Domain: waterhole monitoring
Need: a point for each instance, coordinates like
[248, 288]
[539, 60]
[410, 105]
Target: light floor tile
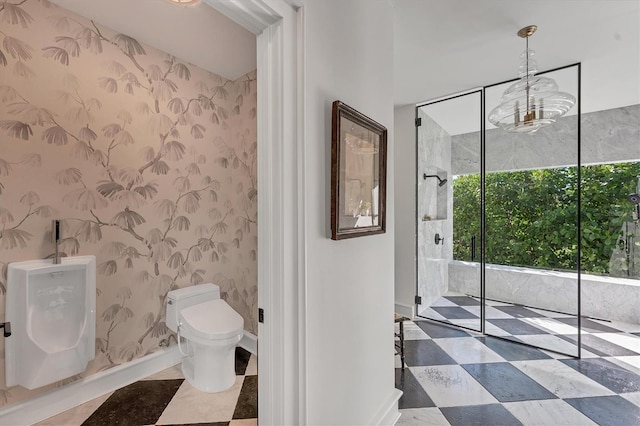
[497, 303]
[628, 341]
[489, 311]
[551, 325]
[473, 324]
[468, 351]
[493, 330]
[252, 366]
[623, 326]
[422, 416]
[560, 379]
[189, 405]
[451, 386]
[552, 314]
[631, 363]
[413, 332]
[431, 314]
[550, 342]
[442, 302]
[244, 422]
[76, 415]
[170, 373]
[634, 397]
[549, 412]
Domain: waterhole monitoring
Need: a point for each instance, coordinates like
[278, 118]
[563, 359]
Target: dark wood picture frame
[358, 174]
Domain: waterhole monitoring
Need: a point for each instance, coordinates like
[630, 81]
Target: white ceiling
[447, 46]
[198, 34]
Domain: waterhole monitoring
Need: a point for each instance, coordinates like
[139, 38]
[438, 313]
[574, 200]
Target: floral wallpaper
[148, 161]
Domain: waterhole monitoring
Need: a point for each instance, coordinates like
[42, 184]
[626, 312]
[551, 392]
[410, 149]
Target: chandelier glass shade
[533, 101]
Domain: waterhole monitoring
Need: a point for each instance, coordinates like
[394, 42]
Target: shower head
[441, 182]
[634, 198]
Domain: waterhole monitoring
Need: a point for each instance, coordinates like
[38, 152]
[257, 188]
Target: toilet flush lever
[7, 328]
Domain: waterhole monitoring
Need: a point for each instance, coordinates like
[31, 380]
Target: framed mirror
[358, 173]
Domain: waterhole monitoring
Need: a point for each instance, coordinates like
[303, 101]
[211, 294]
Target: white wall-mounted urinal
[52, 310]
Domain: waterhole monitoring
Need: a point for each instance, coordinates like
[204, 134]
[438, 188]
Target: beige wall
[149, 162]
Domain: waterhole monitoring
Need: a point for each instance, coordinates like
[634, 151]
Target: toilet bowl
[208, 331]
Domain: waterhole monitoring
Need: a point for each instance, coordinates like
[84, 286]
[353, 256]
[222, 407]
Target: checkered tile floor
[167, 399]
[456, 377]
[546, 329]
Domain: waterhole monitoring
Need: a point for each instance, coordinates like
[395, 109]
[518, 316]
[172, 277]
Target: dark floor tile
[453, 312]
[512, 351]
[519, 312]
[606, 373]
[140, 403]
[242, 360]
[607, 410]
[481, 415]
[439, 331]
[413, 394]
[573, 338]
[516, 327]
[247, 405]
[588, 325]
[425, 352]
[599, 346]
[463, 300]
[506, 382]
[199, 424]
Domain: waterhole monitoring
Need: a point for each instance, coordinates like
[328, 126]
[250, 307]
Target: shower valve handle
[7, 328]
[438, 239]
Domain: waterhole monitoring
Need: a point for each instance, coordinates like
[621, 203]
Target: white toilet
[212, 329]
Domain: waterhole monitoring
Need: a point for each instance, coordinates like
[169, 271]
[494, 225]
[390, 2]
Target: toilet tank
[188, 296]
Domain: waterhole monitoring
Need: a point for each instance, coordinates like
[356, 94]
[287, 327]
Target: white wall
[350, 359]
[405, 208]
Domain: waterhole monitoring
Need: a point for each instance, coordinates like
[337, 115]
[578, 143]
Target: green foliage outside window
[531, 215]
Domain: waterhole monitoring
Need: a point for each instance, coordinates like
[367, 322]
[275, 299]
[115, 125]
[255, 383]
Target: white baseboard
[406, 310]
[388, 414]
[249, 342]
[57, 400]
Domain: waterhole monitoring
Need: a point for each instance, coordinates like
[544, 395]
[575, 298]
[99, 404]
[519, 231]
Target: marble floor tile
[453, 312]
[519, 312]
[589, 325]
[422, 416]
[442, 302]
[468, 351]
[562, 380]
[76, 415]
[507, 383]
[607, 410]
[621, 326]
[252, 367]
[463, 300]
[413, 396]
[451, 385]
[242, 360]
[140, 403]
[244, 422]
[425, 352]
[471, 324]
[551, 325]
[497, 303]
[511, 352]
[490, 312]
[633, 397]
[627, 341]
[412, 331]
[550, 342]
[631, 363]
[492, 414]
[430, 314]
[606, 373]
[596, 344]
[549, 412]
[515, 326]
[189, 405]
[438, 331]
[553, 314]
[247, 406]
[170, 373]
[493, 330]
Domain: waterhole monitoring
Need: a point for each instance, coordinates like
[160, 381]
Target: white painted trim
[253, 15]
[60, 399]
[388, 414]
[249, 342]
[406, 310]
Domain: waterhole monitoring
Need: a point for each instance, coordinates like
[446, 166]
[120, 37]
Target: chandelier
[533, 101]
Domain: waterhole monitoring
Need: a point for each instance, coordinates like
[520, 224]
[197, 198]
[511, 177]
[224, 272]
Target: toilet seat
[211, 320]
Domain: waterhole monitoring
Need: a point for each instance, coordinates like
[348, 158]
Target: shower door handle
[473, 248]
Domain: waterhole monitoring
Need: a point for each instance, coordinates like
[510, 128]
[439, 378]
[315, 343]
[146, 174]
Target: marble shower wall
[436, 206]
[607, 137]
[150, 163]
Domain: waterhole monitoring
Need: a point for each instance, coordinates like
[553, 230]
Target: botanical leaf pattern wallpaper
[149, 162]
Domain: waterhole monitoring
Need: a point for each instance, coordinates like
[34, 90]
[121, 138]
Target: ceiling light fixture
[533, 101]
